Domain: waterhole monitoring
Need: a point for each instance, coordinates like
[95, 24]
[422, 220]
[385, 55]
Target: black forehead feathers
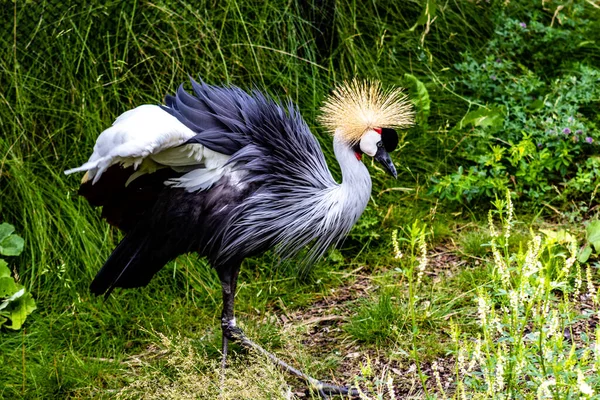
[389, 137]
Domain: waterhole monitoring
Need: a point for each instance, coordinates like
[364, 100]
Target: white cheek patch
[368, 143]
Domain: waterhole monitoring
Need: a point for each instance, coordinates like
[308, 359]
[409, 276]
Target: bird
[231, 173]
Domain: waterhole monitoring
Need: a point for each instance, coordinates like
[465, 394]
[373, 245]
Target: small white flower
[513, 299]
[493, 232]
[461, 361]
[422, 259]
[483, 310]
[477, 356]
[553, 325]
[584, 387]
[397, 253]
[436, 375]
[597, 350]
[578, 281]
[571, 260]
[500, 361]
[532, 265]
[543, 391]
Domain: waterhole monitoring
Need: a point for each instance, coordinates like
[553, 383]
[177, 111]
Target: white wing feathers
[149, 138]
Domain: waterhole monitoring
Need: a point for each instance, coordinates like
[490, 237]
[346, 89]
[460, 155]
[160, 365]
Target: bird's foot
[325, 389]
[234, 333]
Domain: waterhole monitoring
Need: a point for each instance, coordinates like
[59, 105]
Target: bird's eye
[389, 137]
[379, 144]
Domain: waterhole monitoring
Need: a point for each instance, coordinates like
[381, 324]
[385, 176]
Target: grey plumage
[272, 145]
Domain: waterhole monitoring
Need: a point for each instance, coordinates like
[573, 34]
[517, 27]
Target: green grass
[68, 75]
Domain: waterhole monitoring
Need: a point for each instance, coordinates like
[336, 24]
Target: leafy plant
[535, 336]
[15, 302]
[593, 242]
[419, 97]
[533, 131]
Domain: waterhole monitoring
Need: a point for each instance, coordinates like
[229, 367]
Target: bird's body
[229, 175]
[266, 185]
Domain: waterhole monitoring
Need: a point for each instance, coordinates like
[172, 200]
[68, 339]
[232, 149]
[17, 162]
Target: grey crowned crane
[230, 174]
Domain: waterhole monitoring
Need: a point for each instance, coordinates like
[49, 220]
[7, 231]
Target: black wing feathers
[123, 206]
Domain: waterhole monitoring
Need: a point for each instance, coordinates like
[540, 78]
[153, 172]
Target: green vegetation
[455, 305]
[15, 302]
[537, 321]
[535, 126]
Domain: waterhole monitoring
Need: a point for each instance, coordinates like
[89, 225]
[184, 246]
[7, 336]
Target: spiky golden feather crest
[357, 106]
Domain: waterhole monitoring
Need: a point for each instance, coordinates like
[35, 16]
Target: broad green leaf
[419, 96]
[20, 309]
[550, 234]
[12, 299]
[2, 320]
[11, 245]
[5, 230]
[7, 287]
[560, 236]
[491, 117]
[593, 234]
[4, 270]
[584, 254]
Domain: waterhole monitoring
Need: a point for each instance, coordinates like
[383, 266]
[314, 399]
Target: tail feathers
[132, 264]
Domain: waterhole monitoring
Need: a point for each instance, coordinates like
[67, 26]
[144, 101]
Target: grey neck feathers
[330, 213]
[321, 215]
[338, 207]
[355, 189]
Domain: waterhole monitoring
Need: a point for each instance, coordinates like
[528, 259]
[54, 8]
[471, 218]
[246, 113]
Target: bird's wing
[268, 140]
[149, 138]
[264, 148]
[209, 133]
[217, 115]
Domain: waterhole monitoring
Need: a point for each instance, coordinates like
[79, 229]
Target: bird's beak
[384, 158]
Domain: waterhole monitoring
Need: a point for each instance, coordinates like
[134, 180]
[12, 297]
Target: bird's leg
[232, 332]
[228, 284]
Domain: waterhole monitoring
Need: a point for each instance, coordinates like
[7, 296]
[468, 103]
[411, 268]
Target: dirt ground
[324, 319]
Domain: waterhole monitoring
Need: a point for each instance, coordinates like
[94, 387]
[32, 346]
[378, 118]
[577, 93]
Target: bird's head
[365, 117]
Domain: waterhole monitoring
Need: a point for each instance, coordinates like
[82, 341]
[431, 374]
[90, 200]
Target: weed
[172, 369]
[522, 349]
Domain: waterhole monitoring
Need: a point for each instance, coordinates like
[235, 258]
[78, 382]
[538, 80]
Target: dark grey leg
[235, 334]
[228, 284]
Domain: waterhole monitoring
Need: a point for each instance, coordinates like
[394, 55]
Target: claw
[341, 390]
[325, 390]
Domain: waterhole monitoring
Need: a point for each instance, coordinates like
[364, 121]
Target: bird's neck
[356, 181]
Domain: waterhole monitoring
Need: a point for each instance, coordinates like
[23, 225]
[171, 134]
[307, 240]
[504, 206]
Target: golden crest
[357, 106]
